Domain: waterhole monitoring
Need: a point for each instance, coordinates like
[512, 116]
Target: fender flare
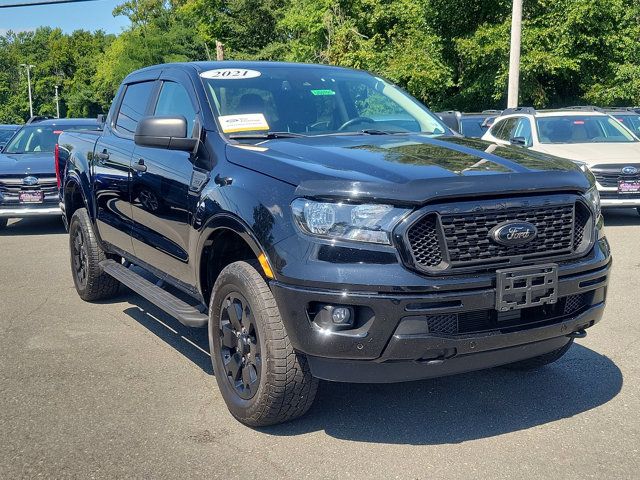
[227, 221]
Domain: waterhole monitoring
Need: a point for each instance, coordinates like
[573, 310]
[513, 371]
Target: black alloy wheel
[240, 345]
[80, 257]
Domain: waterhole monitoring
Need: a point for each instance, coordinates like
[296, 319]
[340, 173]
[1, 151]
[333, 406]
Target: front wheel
[542, 360]
[262, 379]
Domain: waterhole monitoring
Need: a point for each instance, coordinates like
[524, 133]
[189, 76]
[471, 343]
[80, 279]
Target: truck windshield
[38, 138]
[313, 101]
[582, 129]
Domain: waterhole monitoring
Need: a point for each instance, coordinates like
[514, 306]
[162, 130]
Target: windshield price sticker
[243, 123]
[230, 74]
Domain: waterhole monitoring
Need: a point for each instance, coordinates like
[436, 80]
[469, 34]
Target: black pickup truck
[323, 224]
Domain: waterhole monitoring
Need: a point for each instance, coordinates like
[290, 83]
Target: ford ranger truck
[323, 224]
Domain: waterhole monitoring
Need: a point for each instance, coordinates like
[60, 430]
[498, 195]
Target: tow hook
[578, 334]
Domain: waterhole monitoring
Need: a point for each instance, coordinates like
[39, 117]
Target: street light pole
[57, 103]
[514, 56]
[29, 67]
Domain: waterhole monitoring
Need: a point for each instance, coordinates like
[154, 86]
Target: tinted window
[523, 130]
[502, 130]
[632, 122]
[40, 138]
[174, 100]
[5, 135]
[134, 106]
[582, 129]
[473, 127]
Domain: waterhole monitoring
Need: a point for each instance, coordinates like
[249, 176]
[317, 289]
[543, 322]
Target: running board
[183, 312]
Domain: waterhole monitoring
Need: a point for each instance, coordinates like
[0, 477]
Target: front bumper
[380, 350]
[32, 211]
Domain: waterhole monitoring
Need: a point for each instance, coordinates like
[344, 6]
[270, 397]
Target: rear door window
[134, 106]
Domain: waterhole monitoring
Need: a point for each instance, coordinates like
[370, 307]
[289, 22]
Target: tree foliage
[448, 53]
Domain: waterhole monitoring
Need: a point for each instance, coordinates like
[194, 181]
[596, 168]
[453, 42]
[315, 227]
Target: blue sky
[68, 16]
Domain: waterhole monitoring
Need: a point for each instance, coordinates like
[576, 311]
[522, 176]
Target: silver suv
[585, 135]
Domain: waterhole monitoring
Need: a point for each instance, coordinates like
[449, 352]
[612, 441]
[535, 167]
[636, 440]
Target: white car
[586, 135]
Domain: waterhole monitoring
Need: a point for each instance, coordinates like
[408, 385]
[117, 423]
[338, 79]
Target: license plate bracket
[628, 186]
[34, 196]
[524, 287]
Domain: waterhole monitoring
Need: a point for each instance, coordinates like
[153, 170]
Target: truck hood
[595, 153]
[13, 164]
[406, 168]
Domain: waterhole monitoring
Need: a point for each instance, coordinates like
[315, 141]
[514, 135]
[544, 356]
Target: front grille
[467, 236]
[423, 238]
[455, 238]
[11, 187]
[611, 179]
[443, 324]
[491, 321]
[609, 175]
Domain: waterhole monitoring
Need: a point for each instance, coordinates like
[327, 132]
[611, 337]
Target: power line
[32, 3]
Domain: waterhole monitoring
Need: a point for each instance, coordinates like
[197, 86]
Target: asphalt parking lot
[119, 389]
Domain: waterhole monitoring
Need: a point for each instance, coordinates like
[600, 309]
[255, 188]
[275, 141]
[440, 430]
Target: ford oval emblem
[513, 233]
[30, 181]
[629, 170]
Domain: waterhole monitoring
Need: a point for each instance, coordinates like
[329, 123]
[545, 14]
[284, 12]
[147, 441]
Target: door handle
[102, 156]
[140, 166]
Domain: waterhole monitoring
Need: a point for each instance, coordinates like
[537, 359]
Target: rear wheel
[90, 281]
[261, 378]
[542, 360]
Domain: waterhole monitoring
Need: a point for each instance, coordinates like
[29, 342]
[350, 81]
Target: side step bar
[183, 312]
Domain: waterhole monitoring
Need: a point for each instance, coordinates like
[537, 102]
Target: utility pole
[57, 103]
[29, 67]
[219, 51]
[514, 56]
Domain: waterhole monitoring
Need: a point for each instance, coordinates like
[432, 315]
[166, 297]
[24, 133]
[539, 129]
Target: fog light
[334, 317]
[341, 315]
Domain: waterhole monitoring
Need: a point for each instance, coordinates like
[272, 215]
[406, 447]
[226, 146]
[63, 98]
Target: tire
[262, 379]
[91, 282]
[542, 360]
[3, 222]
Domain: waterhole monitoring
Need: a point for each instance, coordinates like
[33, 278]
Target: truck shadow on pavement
[33, 226]
[437, 411]
[621, 217]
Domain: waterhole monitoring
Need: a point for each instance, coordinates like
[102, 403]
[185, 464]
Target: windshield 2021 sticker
[230, 74]
[243, 122]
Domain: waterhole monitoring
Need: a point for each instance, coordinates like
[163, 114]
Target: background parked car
[628, 116]
[586, 135]
[28, 185]
[472, 125]
[6, 132]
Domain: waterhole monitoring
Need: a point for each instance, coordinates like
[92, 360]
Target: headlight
[593, 198]
[370, 223]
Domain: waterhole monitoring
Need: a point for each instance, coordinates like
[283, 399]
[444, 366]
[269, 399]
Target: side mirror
[164, 132]
[520, 141]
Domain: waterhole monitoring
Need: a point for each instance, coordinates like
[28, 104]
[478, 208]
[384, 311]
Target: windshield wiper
[266, 136]
[374, 131]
